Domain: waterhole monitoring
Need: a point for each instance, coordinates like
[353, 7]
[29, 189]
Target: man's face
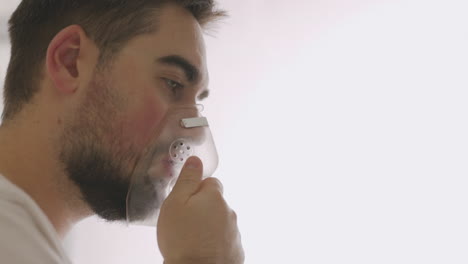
[125, 104]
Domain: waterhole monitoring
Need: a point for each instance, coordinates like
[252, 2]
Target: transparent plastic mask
[183, 133]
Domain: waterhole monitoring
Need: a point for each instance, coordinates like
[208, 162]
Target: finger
[189, 179]
[212, 184]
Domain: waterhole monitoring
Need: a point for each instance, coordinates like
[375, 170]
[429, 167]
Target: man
[87, 83]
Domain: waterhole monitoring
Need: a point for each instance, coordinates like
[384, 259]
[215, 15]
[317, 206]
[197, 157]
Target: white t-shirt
[26, 234]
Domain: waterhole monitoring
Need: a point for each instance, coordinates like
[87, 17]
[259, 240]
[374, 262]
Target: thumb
[189, 179]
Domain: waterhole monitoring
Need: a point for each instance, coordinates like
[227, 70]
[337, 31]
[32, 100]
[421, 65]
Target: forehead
[178, 33]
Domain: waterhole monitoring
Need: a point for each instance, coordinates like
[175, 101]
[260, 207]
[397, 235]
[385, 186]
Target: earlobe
[62, 59]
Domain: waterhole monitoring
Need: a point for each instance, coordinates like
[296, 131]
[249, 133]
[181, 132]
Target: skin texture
[73, 147]
[196, 225]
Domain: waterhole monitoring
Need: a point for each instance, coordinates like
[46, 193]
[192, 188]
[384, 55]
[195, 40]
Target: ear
[62, 59]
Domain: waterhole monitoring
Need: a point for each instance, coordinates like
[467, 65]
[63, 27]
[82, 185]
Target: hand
[195, 223]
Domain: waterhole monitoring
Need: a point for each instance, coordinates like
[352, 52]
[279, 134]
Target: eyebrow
[191, 72]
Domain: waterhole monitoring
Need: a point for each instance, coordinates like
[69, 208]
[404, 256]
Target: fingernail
[193, 163]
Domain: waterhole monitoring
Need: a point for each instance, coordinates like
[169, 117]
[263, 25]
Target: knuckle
[213, 180]
[214, 183]
[216, 195]
[234, 215]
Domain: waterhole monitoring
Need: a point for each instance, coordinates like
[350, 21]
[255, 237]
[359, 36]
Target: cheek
[140, 125]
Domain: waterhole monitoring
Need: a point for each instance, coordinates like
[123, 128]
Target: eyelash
[173, 85]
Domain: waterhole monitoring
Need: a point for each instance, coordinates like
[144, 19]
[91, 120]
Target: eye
[173, 85]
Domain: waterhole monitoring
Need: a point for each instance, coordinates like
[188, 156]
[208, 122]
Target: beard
[94, 157]
[101, 181]
[151, 183]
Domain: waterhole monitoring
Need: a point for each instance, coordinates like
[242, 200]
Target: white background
[342, 132]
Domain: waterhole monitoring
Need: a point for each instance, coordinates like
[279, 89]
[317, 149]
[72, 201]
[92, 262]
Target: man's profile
[87, 83]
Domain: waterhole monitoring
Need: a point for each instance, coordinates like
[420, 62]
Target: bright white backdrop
[342, 131]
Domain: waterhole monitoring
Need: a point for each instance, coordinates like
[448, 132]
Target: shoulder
[22, 241]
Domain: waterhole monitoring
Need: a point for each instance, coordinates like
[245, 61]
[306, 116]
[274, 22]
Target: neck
[28, 158]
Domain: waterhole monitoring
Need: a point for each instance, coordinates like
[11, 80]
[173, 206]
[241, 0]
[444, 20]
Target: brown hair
[109, 23]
